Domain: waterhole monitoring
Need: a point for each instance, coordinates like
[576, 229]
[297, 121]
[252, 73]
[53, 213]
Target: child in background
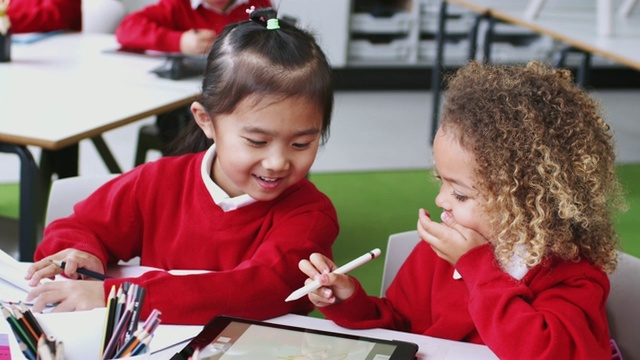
[243, 209]
[185, 26]
[520, 260]
[45, 15]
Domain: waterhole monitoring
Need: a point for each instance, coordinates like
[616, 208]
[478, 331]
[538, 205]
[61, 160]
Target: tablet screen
[233, 338]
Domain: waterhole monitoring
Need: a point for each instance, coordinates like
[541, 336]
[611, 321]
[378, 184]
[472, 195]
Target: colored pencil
[59, 350]
[118, 332]
[120, 304]
[128, 347]
[44, 349]
[142, 347]
[26, 351]
[31, 319]
[17, 329]
[109, 319]
[138, 293]
[28, 330]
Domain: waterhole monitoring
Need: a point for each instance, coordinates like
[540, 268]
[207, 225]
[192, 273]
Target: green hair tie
[272, 24]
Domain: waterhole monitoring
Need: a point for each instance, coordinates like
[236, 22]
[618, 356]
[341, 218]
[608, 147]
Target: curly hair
[545, 161]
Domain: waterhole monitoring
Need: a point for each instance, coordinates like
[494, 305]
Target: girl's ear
[203, 120]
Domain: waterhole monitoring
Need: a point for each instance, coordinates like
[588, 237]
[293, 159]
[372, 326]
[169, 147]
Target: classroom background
[376, 166]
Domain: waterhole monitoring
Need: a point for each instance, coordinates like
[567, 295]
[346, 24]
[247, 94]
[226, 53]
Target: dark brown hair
[249, 59]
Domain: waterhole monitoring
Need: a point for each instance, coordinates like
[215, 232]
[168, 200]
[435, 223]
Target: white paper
[12, 271]
[80, 331]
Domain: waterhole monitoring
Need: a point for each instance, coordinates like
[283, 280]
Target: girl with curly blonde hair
[520, 259]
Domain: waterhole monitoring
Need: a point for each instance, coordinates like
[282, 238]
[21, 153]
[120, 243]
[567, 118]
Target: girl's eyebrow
[259, 130]
[455, 182]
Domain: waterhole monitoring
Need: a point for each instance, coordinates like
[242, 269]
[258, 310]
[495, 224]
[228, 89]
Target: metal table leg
[438, 67]
[560, 61]
[28, 221]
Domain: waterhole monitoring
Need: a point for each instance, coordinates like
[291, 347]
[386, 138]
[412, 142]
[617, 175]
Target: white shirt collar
[516, 267]
[196, 3]
[219, 196]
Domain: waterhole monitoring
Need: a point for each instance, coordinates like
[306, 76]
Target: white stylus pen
[341, 270]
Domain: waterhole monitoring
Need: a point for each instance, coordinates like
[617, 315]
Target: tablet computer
[226, 337]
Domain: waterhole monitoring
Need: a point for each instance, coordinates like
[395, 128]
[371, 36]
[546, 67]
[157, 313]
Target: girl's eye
[301, 146]
[255, 142]
[459, 197]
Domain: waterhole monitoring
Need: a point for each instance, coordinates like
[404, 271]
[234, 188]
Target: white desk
[82, 340]
[166, 335]
[570, 23]
[429, 347]
[64, 89]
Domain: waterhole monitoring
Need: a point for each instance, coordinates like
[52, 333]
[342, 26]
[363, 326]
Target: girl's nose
[276, 161]
[441, 201]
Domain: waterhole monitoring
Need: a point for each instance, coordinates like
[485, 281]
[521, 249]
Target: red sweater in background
[162, 212]
[45, 15]
[557, 311]
[160, 26]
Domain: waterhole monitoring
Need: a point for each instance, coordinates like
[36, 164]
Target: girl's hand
[73, 259]
[335, 287]
[196, 42]
[449, 240]
[68, 295]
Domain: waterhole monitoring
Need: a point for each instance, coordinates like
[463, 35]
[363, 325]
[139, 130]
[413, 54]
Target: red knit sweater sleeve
[250, 254]
[394, 311]
[556, 311]
[156, 27]
[45, 15]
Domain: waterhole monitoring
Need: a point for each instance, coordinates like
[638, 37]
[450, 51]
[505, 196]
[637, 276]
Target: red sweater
[162, 212]
[557, 311]
[44, 15]
[160, 26]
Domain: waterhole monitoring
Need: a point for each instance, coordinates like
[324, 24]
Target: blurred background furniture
[399, 246]
[622, 306]
[65, 193]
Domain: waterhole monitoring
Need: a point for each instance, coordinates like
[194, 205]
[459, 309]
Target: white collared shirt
[196, 3]
[219, 196]
[516, 267]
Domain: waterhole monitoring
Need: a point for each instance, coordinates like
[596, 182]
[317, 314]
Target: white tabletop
[170, 339]
[428, 347]
[65, 88]
[573, 23]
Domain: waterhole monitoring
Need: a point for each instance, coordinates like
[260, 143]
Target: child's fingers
[41, 270]
[322, 263]
[322, 297]
[44, 295]
[308, 268]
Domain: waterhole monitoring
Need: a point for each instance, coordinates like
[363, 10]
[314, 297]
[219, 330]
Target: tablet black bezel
[404, 350]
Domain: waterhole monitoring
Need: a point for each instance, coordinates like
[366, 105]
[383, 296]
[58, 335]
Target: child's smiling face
[265, 145]
[458, 196]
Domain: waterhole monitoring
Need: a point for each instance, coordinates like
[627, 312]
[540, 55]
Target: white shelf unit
[403, 34]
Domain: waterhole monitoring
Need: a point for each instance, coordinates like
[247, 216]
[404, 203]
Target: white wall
[328, 20]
